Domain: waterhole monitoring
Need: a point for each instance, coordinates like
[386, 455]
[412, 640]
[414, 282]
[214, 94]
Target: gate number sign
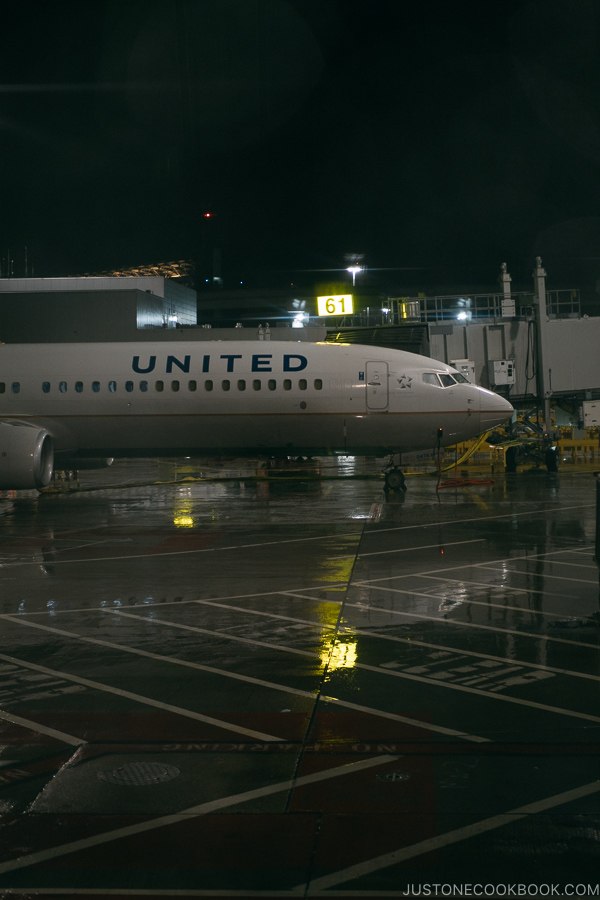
[335, 305]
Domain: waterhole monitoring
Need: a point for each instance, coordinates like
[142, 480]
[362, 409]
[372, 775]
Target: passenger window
[192, 385]
[226, 384]
[79, 387]
[112, 386]
[272, 384]
[62, 386]
[96, 387]
[287, 384]
[302, 384]
[241, 384]
[257, 384]
[159, 386]
[174, 385]
[16, 387]
[46, 387]
[129, 386]
[143, 386]
[208, 385]
[318, 384]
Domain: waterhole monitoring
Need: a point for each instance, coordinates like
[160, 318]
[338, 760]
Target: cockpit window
[460, 378]
[447, 379]
[442, 379]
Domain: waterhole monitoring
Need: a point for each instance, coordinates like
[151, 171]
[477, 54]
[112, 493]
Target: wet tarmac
[213, 686]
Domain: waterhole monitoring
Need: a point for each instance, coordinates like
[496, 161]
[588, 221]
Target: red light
[208, 215]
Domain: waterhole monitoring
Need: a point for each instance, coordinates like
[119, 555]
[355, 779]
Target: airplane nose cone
[494, 409]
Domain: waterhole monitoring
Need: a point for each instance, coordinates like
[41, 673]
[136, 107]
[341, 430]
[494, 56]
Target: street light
[354, 270]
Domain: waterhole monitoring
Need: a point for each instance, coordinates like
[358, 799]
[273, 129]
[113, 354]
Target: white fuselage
[240, 397]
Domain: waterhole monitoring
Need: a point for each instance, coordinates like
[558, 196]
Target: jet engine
[26, 456]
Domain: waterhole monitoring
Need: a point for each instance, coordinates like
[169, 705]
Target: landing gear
[394, 479]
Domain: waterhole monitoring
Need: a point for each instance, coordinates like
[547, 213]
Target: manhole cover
[393, 776]
[140, 774]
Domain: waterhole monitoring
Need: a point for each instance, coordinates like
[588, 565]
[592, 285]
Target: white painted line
[511, 515]
[150, 619]
[42, 729]
[158, 657]
[475, 829]
[374, 711]
[52, 853]
[462, 624]
[502, 560]
[576, 565]
[545, 575]
[200, 550]
[487, 695]
[329, 586]
[420, 547]
[411, 642]
[460, 651]
[508, 588]
[406, 720]
[268, 615]
[138, 698]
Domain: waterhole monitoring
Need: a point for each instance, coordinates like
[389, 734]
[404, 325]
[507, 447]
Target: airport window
[241, 384]
[192, 385]
[46, 387]
[287, 384]
[302, 384]
[174, 385]
[112, 387]
[272, 384]
[257, 384]
[143, 386]
[96, 387]
[16, 387]
[208, 385]
[79, 387]
[318, 384]
[226, 384]
[62, 386]
[160, 386]
[129, 386]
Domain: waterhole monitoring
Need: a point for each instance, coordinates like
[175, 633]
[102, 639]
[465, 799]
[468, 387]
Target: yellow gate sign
[335, 305]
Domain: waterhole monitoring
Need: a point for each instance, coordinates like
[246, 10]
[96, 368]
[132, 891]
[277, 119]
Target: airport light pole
[354, 271]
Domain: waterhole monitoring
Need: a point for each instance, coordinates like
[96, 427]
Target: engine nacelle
[26, 456]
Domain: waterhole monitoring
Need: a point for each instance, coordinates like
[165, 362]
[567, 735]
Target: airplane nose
[494, 409]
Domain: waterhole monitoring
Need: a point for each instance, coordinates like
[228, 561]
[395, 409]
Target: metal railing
[476, 307]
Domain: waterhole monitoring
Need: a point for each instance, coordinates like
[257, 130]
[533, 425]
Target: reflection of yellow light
[333, 571]
[339, 655]
[335, 305]
[183, 519]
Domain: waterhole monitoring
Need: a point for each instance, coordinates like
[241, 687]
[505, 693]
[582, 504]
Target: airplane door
[377, 385]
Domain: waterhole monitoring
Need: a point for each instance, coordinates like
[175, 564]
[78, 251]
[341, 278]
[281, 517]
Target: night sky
[436, 138]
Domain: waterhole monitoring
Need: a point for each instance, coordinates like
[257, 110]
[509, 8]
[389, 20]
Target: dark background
[438, 139]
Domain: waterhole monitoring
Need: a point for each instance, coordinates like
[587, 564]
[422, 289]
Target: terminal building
[92, 308]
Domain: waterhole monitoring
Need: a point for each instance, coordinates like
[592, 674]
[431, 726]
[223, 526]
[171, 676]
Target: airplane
[61, 404]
